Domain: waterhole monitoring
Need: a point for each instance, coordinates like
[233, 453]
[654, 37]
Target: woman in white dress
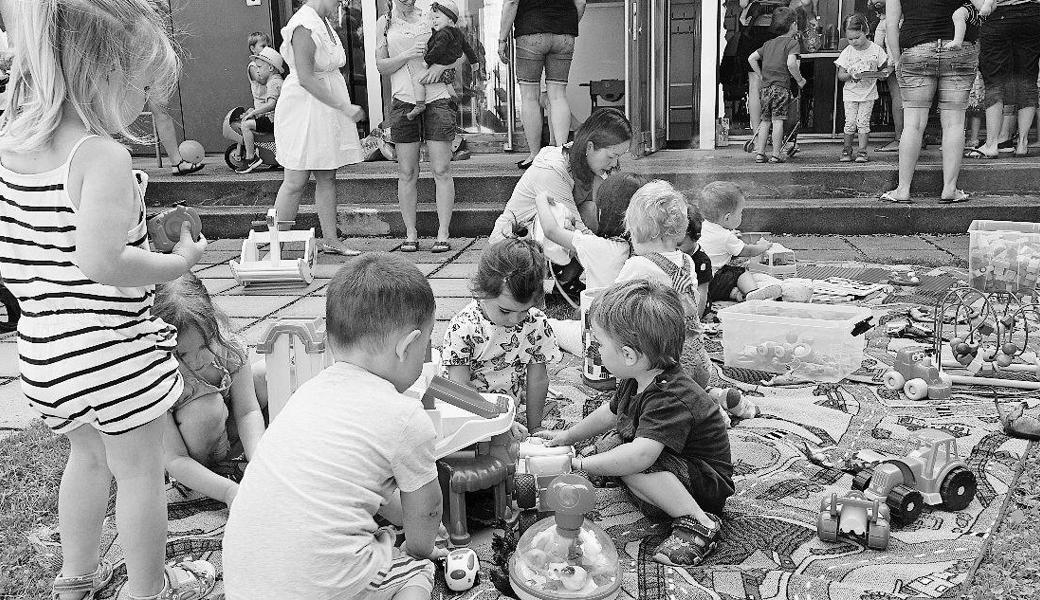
[315, 130]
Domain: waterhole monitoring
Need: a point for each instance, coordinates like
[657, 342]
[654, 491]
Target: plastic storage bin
[1004, 256]
[820, 342]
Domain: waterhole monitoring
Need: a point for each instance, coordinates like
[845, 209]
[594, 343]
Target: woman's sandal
[328, 248]
[440, 247]
[410, 246]
[958, 196]
[890, 197]
[525, 164]
[179, 170]
[978, 153]
[88, 584]
[689, 544]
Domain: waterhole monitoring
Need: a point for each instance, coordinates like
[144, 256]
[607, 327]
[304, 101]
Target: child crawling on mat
[664, 437]
[347, 445]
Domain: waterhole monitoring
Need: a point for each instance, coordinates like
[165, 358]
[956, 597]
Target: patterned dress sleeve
[540, 344]
[461, 339]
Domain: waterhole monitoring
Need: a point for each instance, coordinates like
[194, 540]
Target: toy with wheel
[164, 229]
[854, 515]
[461, 569]
[235, 154]
[537, 466]
[9, 310]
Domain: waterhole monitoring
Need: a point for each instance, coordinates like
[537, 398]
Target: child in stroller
[252, 130]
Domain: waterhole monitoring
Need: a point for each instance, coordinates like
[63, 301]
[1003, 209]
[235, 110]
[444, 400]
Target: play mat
[768, 547]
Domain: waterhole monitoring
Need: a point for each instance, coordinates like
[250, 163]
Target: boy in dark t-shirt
[665, 437]
[777, 62]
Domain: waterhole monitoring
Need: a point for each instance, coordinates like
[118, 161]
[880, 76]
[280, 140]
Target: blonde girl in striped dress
[74, 249]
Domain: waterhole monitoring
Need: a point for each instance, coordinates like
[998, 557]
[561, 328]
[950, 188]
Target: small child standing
[665, 438]
[445, 46]
[722, 204]
[269, 67]
[776, 63]
[94, 361]
[347, 445]
[857, 64]
[500, 343]
[217, 416]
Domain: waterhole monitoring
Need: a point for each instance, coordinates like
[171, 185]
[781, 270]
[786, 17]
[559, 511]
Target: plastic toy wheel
[232, 158]
[894, 380]
[9, 310]
[906, 504]
[527, 518]
[827, 527]
[749, 145]
[861, 480]
[958, 489]
[526, 491]
[877, 536]
[916, 389]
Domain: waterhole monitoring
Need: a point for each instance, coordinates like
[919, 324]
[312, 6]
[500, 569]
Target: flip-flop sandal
[523, 165]
[340, 250]
[410, 246]
[959, 196]
[892, 146]
[977, 153]
[440, 247]
[888, 197]
[1006, 146]
[192, 168]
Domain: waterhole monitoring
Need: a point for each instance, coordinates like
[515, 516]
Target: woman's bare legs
[440, 164]
[325, 202]
[407, 186]
[914, 122]
[287, 203]
[952, 150]
[559, 112]
[531, 117]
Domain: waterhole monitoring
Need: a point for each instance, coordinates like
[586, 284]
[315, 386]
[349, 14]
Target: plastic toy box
[1004, 256]
[814, 341]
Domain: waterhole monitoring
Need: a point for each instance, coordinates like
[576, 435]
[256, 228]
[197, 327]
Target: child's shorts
[724, 281]
[709, 488]
[776, 101]
[404, 572]
[264, 124]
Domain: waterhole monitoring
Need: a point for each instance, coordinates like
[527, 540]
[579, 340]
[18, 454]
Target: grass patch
[31, 463]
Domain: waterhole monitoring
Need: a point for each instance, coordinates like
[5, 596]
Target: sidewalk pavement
[449, 275]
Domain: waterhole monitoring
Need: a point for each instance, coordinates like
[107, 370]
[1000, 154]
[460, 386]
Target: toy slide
[272, 271]
[462, 416]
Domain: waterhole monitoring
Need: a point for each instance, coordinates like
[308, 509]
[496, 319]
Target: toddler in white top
[860, 65]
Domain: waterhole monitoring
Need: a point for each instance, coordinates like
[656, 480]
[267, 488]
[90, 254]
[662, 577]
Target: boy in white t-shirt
[860, 65]
[722, 204]
[348, 445]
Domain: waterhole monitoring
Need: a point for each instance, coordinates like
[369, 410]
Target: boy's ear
[403, 343]
[630, 354]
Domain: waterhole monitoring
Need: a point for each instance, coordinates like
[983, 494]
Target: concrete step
[849, 216]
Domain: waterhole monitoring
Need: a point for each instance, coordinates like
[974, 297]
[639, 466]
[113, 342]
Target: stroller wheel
[749, 145]
[233, 158]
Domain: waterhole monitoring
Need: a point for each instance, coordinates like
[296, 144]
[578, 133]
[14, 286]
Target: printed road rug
[768, 548]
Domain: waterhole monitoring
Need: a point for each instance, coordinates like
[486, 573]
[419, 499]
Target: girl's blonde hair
[656, 211]
[85, 52]
[185, 302]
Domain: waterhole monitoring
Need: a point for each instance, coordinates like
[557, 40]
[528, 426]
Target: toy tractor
[930, 474]
[854, 514]
[918, 375]
[537, 467]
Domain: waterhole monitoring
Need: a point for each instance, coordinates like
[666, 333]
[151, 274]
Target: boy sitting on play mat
[667, 439]
[347, 445]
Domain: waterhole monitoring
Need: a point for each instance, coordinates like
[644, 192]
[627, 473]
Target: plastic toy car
[931, 474]
[460, 569]
[538, 465]
[854, 514]
[916, 373]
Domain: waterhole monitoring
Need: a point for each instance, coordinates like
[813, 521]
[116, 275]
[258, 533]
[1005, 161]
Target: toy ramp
[256, 270]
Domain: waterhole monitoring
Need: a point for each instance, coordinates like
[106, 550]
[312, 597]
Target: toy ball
[1003, 360]
[460, 569]
[1009, 349]
[192, 151]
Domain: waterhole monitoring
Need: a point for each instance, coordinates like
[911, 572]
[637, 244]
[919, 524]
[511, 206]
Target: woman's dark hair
[513, 265]
[856, 22]
[612, 201]
[604, 127]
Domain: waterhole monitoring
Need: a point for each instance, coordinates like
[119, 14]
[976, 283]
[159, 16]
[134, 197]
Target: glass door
[646, 52]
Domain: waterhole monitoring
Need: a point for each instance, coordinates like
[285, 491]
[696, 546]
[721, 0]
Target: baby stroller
[791, 126]
[9, 311]
[235, 155]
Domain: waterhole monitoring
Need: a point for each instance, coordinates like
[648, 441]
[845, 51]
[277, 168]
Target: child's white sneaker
[766, 292]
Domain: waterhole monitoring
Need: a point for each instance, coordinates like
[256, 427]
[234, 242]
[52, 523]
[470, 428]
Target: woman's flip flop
[410, 246]
[978, 153]
[889, 197]
[440, 247]
[958, 196]
[179, 169]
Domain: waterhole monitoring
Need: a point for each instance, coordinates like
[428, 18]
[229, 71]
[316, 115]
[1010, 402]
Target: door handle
[636, 27]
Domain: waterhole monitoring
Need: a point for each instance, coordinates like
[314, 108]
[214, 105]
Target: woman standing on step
[401, 39]
[317, 130]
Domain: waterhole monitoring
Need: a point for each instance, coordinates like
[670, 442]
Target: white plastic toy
[460, 569]
[272, 270]
[553, 251]
[778, 262]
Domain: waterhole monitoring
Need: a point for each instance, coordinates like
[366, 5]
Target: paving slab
[212, 257]
[15, 412]
[213, 271]
[811, 242]
[451, 288]
[455, 271]
[448, 307]
[219, 286]
[311, 306]
[251, 306]
[8, 359]
[228, 244]
[885, 242]
[829, 255]
[468, 257]
[933, 257]
[954, 244]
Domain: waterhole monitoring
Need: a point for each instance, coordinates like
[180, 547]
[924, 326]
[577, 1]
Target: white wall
[599, 53]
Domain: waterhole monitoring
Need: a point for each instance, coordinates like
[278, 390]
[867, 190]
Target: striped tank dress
[88, 353]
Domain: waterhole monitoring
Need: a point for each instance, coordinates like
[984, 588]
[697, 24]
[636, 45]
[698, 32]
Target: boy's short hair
[257, 36]
[656, 211]
[647, 316]
[693, 229]
[782, 19]
[374, 296]
[719, 198]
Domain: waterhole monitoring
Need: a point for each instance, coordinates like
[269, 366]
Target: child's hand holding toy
[557, 437]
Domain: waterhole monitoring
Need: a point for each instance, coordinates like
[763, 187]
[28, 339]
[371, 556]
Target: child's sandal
[88, 584]
[861, 156]
[690, 542]
[760, 157]
[776, 159]
[185, 580]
